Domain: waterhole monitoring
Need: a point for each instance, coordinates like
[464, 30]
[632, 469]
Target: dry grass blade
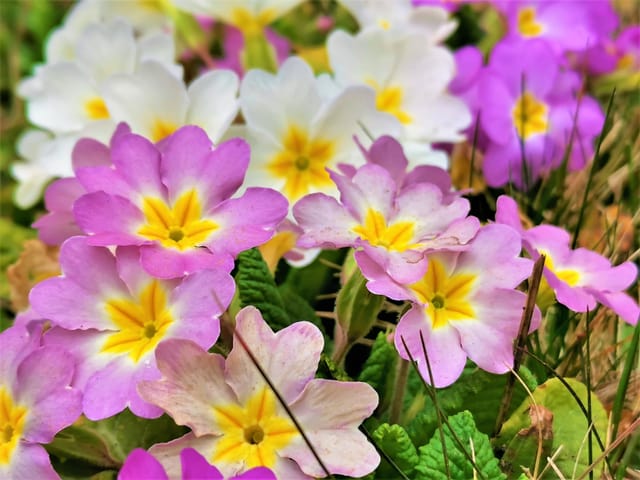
[519, 346]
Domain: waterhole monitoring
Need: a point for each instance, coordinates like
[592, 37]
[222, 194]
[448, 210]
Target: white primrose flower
[154, 103]
[402, 18]
[250, 16]
[147, 17]
[298, 126]
[65, 96]
[410, 78]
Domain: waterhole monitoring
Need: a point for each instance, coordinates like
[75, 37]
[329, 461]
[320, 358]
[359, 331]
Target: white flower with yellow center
[402, 18]
[250, 16]
[410, 78]
[299, 126]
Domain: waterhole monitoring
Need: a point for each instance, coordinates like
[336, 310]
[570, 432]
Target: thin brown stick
[519, 346]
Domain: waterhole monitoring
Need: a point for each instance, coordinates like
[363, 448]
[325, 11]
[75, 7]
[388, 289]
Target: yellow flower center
[567, 275]
[384, 23]
[446, 296]
[389, 100]
[527, 25]
[162, 129]
[96, 109]
[302, 163]
[180, 227]
[141, 324]
[249, 23]
[12, 422]
[253, 433]
[530, 116]
[546, 295]
[395, 237]
[626, 62]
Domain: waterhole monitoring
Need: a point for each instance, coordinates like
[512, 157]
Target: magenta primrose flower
[36, 402]
[111, 315]
[237, 421]
[141, 465]
[579, 279]
[393, 225]
[566, 25]
[530, 109]
[173, 200]
[464, 305]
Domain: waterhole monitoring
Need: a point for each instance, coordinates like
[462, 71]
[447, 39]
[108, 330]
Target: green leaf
[317, 277]
[378, 368]
[477, 391]
[106, 443]
[257, 287]
[298, 309]
[395, 442]
[567, 428]
[432, 459]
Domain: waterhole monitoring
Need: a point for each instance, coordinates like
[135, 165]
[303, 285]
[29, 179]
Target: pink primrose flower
[530, 108]
[393, 225]
[111, 315]
[58, 223]
[237, 421]
[464, 305]
[578, 279]
[36, 402]
[174, 201]
[141, 465]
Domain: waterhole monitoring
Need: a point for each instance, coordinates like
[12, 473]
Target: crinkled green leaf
[477, 391]
[395, 442]
[432, 459]
[379, 368]
[106, 443]
[257, 287]
[567, 429]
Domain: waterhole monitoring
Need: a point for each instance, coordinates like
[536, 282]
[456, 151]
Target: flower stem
[402, 375]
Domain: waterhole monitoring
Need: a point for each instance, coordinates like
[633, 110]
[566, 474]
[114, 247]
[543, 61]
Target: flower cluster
[162, 163]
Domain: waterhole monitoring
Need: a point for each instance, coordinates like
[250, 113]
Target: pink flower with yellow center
[112, 315]
[237, 421]
[464, 305]
[393, 225]
[579, 279]
[174, 202]
[36, 402]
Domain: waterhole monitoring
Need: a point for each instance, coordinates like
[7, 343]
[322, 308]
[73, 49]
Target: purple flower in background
[173, 200]
[234, 45]
[36, 402]
[141, 465]
[566, 25]
[111, 314]
[622, 53]
[531, 109]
